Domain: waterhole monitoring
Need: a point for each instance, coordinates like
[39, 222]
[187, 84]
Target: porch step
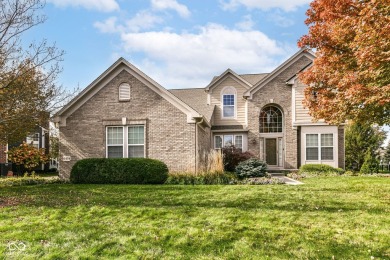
[281, 172]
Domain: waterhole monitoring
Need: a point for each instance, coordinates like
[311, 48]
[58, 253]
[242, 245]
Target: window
[271, 120]
[319, 146]
[327, 147]
[124, 92]
[117, 141]
[33, 140]
[221, 141]
[228, 102]
[312, 147]
[136, 140]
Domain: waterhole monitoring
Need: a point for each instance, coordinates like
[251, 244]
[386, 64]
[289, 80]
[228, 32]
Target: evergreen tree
[361, 139]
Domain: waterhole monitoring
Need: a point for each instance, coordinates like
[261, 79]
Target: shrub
[251, 168]
[370, 165]
[205, 178]
[27, 155]
[311, 170]
[232, 156]
[22, 181]
[119, 171]
[214, 161]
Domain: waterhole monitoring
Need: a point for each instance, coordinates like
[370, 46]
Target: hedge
[204, 178]
[119, 171]
[320, 170]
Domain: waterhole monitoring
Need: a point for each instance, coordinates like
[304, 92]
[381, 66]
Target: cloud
[141, 21]
[246, 24]
[181, 9]
[182, 60]
[99, 5]
[286, 5]
[280, 20]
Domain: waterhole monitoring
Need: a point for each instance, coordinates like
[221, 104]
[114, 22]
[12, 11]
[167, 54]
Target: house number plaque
[66, 158]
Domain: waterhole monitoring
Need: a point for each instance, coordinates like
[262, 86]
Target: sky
[178, 43]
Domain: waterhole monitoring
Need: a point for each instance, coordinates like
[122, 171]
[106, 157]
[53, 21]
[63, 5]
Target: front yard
[344, 217]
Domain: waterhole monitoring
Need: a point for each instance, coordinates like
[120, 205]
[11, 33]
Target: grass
[344, 217]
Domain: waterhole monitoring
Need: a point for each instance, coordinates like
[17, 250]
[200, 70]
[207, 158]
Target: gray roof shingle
[196, 98]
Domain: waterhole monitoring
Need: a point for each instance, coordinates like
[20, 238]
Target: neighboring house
[39, 138]
[124, 113]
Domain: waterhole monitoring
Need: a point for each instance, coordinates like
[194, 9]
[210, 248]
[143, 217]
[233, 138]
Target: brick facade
[168, 135]
[277, 93]
[176, 133]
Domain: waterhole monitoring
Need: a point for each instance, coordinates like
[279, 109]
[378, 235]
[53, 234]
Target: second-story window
[229, 102]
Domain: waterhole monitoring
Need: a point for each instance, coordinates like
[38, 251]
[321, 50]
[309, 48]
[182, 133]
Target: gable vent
[124, 92]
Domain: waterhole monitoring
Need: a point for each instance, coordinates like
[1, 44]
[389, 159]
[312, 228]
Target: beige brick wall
[168, 135]
[281, 95]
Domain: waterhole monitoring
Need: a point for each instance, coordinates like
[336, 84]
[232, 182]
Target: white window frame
[134, 145]
[33, 139]
[233, 140]
[319, 146]
[229, 91]
[125, 140]
[114, 145]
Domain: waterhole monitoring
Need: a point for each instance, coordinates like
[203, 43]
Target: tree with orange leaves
[351, 73]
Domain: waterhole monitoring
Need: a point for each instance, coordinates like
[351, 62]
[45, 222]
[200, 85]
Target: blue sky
[179, 43]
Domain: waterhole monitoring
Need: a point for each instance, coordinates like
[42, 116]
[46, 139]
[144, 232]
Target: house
[125, 113]
[39, 138]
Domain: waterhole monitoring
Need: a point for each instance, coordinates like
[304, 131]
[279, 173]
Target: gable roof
[302, 52]
[120, 65]
[195, 98]
[253, 78]
[224, 75]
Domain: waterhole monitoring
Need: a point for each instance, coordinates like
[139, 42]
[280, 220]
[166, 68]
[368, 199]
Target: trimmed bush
[119, 171]
[308, 170]
[205, 178]
[251, 168]
[232, 156]
[23, 181]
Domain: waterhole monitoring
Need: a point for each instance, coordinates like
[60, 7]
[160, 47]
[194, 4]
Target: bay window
[222, 141]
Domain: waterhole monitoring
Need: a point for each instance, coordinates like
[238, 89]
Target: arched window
[229, 102]
[124, 92]
[271, 120]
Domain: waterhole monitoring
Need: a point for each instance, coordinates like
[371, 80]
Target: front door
[271, 151]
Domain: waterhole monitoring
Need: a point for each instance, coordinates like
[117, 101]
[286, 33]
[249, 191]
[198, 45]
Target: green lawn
[344, 217]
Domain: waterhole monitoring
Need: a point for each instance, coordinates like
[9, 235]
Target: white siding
[319, 130]
[215, 99]
[301, 113]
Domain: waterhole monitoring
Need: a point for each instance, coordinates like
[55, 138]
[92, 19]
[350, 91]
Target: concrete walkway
[287, 180]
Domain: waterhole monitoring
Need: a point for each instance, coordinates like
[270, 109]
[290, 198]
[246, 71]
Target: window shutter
[124, 92]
